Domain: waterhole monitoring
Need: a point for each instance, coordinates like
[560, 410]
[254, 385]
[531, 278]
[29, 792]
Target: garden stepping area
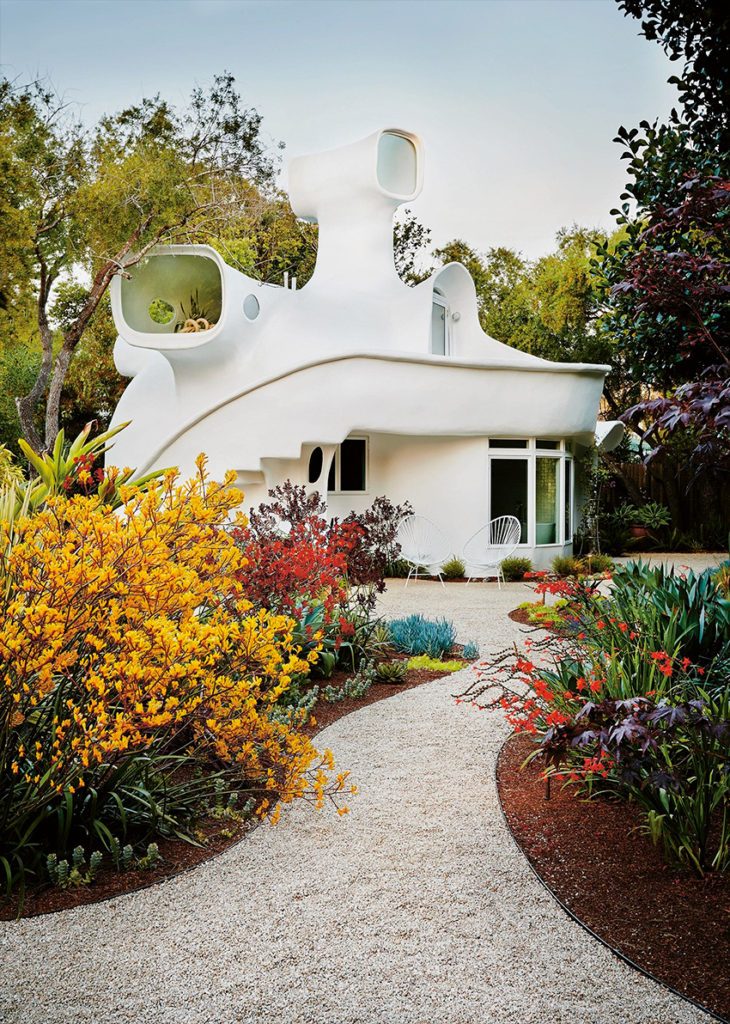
[415, 908]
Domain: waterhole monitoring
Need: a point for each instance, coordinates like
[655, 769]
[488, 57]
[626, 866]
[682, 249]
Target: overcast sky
[517, 101]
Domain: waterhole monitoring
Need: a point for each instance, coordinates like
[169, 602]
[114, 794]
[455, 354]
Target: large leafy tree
[87, 204]
[548, 306]
[666, 286]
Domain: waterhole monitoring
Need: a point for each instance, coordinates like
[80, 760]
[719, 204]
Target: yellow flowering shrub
[129, 656]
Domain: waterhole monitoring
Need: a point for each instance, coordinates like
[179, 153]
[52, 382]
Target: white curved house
[356, 385]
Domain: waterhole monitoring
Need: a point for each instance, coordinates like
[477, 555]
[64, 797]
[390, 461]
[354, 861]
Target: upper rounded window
[251, 307]
[397, 168]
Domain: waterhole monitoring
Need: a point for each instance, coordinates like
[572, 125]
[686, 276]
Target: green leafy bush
[453, 569]
[597, 563]
[515, 568]
[568, 565]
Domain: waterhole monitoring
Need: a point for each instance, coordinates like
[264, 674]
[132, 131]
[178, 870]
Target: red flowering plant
[326, 574]
[621, 705]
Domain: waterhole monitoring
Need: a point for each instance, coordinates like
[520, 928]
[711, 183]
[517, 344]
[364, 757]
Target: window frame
[336, 463]
[562, 454]
[439, 299]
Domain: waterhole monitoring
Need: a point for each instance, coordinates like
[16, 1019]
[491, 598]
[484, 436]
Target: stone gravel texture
[416, 908]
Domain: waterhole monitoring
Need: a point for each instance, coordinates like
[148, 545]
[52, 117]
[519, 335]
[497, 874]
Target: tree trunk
[27, 404]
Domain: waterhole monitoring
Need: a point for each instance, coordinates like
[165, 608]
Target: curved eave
[402, 394]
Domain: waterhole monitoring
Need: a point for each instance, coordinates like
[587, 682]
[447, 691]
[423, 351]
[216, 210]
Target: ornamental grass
[136, 675]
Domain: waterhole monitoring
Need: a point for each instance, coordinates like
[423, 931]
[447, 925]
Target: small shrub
[397, 569]
[417, 635]
[391, 671]
[515, 568]
[471, 650]
[453, 569]
[597, 563]
[568, 565]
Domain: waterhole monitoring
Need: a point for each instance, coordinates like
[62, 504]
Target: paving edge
[584, 926]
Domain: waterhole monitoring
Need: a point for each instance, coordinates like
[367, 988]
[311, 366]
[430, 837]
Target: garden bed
[215, 834]
[596, 861]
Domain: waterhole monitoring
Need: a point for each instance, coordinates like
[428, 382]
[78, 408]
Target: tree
[667, 284]
[101, 199]
[697, 32]
[549, 306]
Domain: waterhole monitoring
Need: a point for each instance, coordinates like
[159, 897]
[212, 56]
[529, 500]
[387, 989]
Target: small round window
[315, 465]
[251, 307]
[160, 311]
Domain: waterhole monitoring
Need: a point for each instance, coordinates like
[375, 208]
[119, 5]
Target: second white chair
[489, 547]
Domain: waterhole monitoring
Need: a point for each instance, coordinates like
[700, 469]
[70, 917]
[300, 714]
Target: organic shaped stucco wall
[280, 371]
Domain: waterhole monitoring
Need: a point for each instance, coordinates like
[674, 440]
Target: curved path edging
[586, 927]
[416, 908]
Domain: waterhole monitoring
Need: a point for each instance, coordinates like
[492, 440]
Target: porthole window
[315, 465]
[161, 311]
[251, 307]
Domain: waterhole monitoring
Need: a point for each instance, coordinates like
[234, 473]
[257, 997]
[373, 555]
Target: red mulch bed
[215, 834]
[673, 925]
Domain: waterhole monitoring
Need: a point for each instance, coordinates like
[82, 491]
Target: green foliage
[391, 671]
[553, 616]
[147, 174]
[418, 635]
[68, 468]
[568, 565]
[653, 515]
[598, 563]
[547, 307]
[19, 366]
[471, 651]
[453, 569]
[424, 661]
[514, 568]
[355, 687]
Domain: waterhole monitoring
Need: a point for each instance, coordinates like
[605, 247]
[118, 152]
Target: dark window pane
[506, 442]
[331, 476]
[315, 465]
[549, 445]
[352, 465]
[509, 491]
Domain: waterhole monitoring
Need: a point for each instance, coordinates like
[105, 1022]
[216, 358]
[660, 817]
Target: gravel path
[416, 908]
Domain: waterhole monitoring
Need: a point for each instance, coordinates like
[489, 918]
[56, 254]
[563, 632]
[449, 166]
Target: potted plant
[650, 518]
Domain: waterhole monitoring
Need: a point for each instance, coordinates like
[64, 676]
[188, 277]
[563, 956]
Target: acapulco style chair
[422, 544]
[490, 545]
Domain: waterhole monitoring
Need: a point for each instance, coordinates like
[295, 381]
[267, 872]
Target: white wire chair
[489, 547]
[423, 545]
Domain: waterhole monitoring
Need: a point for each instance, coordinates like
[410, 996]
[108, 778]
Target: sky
[516, 101]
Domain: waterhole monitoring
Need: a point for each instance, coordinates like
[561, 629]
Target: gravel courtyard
[415, 908]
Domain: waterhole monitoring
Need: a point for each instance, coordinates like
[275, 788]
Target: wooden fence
[704, 504]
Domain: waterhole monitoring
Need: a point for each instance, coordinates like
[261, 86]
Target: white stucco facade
[429, 408]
